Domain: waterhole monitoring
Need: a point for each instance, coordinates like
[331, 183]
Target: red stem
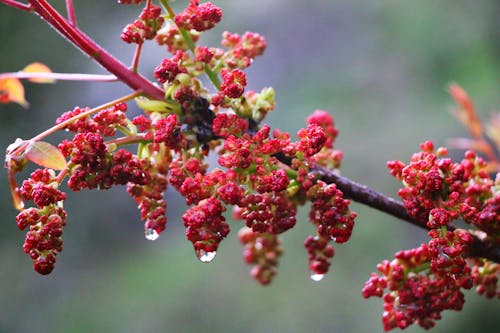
[95, 51]
[137, 56]
[18, 5]
[71, 12]
[60, 76]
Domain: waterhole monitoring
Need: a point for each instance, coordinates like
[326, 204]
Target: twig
[95, 51]
[18, 5]
[71, 12]
[60, 76]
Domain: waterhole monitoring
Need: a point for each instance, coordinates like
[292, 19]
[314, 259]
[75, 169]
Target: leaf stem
[60, 76]
[137, 56]
[85, 114]
[71, 12]
[18, 5]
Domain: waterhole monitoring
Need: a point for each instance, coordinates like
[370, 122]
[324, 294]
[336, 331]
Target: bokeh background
[380, 67]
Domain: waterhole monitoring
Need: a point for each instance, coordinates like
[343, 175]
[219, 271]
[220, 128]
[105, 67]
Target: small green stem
[420, 268]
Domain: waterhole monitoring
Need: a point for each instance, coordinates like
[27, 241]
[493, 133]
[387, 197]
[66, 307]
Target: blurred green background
[380, 67]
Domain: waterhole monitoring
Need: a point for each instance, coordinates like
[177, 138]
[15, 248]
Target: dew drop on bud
[151, 234]
[317, 277]
[206, 256]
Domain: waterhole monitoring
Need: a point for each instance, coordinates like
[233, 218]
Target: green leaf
[46, 155]
[158, 106]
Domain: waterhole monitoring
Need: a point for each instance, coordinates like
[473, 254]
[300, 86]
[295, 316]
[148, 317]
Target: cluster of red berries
[423, 282]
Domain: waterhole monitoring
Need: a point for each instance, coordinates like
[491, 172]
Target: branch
[71, 12]
[18, 5]
[60, 76]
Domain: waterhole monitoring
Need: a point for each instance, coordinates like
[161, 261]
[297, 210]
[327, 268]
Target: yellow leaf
[12, 90]
[46, 155]
[38, 67]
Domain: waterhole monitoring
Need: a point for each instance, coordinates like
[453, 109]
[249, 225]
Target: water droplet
[151, 234]
[206, 256]
[317, 277]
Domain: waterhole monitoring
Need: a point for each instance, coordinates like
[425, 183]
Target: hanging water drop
[317, 277]
[206, 256]
[151, 234]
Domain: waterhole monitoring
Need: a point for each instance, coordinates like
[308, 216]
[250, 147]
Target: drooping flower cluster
[262, 250]
[334, 222]
[414, 297]
[45, 221]
[423, 282]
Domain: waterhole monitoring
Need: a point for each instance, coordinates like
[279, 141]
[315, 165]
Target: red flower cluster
[334, 222]
[43, 241]
[95, 167]
[485, 274]
[414, 297]
[320, 252]
[233, 83]
[206, 227]
[144, 27]
[330, 212]
[438, 190]
[225, 125]
[243, 49]
[425, 281]
[269, 212]
[168, 70]
[104, 122]
[199, 17]
[168, 131]
[263, 251]
[151, 202]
